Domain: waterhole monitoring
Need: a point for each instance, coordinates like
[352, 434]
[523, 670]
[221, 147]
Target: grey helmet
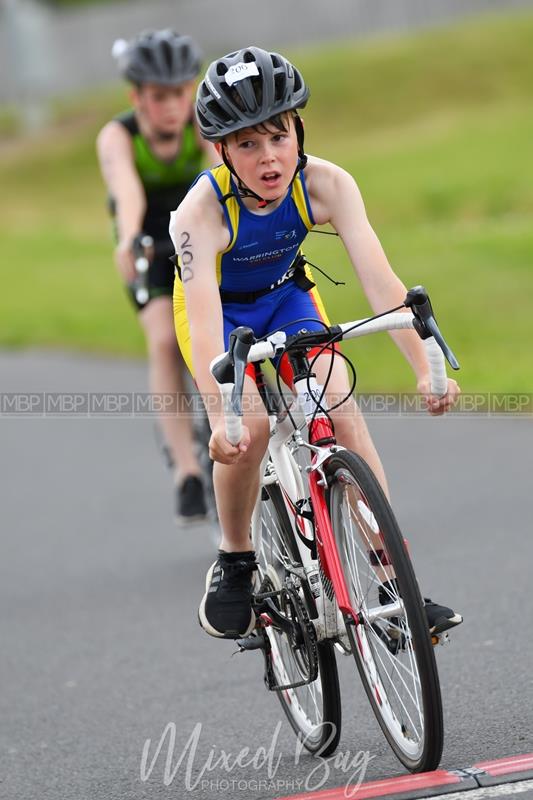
[163, 57]
[246, 88]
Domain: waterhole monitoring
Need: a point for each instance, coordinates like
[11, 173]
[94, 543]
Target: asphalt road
[100, 647]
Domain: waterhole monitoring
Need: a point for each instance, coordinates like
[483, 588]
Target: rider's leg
[226, 607]
[237, 485]
[350, 426]
[166, 375]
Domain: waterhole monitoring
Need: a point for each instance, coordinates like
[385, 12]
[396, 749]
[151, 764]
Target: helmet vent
[279, 87]
[166, 52]
[234, 96]
[163, 57]
[145, 54]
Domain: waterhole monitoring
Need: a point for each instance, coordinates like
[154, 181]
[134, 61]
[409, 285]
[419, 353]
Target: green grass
[436, 128]
[9, 122]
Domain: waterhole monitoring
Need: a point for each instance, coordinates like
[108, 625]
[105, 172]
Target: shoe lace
[237, 574]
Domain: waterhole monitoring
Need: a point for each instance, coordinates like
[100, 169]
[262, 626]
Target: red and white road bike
[335, 572]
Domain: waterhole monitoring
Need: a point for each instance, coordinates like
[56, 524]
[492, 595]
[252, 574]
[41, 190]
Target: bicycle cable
[278, 365]
[329, 345]
[326, 233]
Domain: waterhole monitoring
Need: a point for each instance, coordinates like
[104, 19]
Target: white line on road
[500, 790]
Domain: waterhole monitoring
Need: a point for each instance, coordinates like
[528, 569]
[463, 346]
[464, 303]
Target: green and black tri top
[165, 183]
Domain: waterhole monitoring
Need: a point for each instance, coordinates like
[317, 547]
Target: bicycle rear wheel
[389, 638]
[314, 709]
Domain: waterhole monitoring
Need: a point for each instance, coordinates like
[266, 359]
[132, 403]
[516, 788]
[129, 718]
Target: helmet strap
[302, 158]
[243, 190]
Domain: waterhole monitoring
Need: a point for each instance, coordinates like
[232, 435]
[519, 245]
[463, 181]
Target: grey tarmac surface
[100, 645]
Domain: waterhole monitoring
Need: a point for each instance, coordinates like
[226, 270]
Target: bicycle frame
[334, 592]
[288, 476]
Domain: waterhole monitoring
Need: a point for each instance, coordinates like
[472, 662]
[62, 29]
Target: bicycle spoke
[395, 690]
[396, 662]
[353, 561]
[311, 690]
[412, 661]
[393, 653]
[395, 665]
[370, 573]
[309, 706]
[351, 518]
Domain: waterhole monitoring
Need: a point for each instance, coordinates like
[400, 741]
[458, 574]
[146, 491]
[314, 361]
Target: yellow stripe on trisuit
[222, 176]
[299, 198]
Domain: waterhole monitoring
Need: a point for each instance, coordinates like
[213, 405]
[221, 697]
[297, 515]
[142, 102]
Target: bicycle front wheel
[389, 636]
[313, 709]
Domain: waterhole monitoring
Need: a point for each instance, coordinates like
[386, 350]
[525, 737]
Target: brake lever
[425, 324]
[240, 341]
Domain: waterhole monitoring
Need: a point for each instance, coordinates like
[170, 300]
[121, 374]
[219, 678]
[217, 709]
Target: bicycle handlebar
[425, 323]
[229, 368]
[142, 247]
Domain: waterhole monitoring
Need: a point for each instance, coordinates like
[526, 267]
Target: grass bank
[437, 129]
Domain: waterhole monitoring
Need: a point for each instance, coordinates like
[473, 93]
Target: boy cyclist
[238, 233]
[149, 157]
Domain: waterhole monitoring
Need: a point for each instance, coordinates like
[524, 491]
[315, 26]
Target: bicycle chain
[310, 642]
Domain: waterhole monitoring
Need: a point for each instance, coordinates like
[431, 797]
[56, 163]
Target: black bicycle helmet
[164, 57]
[246, 88]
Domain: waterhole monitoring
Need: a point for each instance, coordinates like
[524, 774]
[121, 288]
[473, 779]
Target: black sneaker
[440, 618]
[190, 500]
[226, 607]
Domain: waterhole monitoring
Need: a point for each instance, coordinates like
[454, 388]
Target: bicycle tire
[323, 737]
[400, 698]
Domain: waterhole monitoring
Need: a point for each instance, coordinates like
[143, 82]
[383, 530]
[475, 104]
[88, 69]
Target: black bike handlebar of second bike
[142, 247]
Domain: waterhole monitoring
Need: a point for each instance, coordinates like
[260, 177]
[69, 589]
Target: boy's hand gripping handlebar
[229, 368]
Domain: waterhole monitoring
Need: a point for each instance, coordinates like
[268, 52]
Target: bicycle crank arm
[267, 606]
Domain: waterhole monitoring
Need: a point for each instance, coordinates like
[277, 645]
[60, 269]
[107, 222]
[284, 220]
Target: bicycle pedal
[251, 642]
[440, 638]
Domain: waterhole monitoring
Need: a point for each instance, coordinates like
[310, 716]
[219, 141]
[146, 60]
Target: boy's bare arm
[115, 156]
[382, 286]
[198, 236]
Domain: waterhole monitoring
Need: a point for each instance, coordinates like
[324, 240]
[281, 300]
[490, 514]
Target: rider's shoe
[226, 607]
[190, 500]
[440, 618]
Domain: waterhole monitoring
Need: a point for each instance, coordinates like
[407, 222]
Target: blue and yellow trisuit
[262, 251]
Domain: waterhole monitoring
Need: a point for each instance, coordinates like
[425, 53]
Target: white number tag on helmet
[240, 71]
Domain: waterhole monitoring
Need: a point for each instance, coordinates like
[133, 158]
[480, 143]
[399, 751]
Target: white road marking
[500, 790]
